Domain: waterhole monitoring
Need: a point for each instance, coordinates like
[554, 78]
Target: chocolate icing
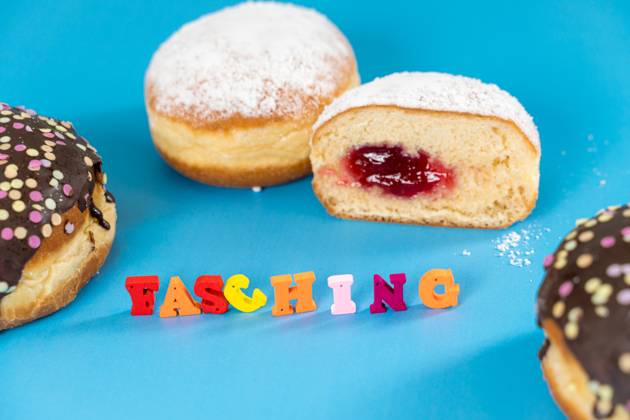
[46, 169]
[586, 293]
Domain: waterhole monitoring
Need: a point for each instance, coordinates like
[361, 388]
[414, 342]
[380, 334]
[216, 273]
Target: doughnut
[584, 309]
[231, 97]
[57, 220]
[427, 148]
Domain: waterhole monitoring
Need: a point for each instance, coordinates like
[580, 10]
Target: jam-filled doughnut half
[57, 220]
[232, 96]
[427, 148]
[584, 309]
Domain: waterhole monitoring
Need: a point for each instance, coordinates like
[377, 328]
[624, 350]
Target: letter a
[178, 300]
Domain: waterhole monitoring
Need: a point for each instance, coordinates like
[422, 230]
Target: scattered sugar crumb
[516, 246]
[466, 253]
[590, 137]
[257, 189]
[602, 183]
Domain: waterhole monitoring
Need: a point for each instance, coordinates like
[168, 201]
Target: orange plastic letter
[178, 300]
[430, 297]
[284, 293]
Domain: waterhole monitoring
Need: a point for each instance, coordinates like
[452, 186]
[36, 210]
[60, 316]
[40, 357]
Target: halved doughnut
[427, 148]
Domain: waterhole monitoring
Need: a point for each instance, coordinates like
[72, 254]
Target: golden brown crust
[531, 145]
[62, 296]
[217, 139]
[241, 178]
[51, 252]
[561, 393]
[348, 78]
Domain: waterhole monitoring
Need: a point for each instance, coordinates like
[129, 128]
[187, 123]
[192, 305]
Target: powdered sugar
[439, 92]
[253, 60]
[517, 246]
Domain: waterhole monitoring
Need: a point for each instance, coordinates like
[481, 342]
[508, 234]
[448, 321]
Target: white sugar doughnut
[232, 96]
[427, 148]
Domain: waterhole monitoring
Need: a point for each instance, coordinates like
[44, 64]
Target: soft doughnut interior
[54, 276]
[495, 167]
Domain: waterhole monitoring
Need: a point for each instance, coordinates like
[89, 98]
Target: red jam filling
[396, 172]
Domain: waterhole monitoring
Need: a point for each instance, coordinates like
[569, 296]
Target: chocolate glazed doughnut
[57, 221]
[584, 309]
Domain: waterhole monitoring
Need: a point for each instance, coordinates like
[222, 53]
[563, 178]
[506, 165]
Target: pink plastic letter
[342, 294]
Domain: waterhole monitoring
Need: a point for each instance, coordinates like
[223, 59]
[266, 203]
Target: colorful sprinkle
[34, 241]
[47, 230]
[558, 309]
[592, 284]
[36, 196]
[614, 270]
[584, 260]
[608, 242]
[624, 363]
[69, 228]
[565, 289]
[6, 234]
[35, 216]
[548, 260]
[586, 236]
[623, 297]
[56, 219]
[67, 190]
[20, 232]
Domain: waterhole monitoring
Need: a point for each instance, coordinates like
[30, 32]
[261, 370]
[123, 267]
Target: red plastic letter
[210, 290]
[142, 289]
[383, 292]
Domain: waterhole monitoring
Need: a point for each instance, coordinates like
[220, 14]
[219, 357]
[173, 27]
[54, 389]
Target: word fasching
[217, 297]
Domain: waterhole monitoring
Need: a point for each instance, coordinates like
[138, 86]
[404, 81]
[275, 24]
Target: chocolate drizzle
[96, 213]
[586, 293]
[544, 349]
[109, 197]
[46, 169]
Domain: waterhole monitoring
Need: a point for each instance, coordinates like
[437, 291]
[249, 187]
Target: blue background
[567, 61]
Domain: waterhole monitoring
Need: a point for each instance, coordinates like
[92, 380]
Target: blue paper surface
[567, 61]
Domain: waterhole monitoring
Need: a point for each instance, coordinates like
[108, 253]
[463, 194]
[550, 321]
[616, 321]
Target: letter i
[342, 294]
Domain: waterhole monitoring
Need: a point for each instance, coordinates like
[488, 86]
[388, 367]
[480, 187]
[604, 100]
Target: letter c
[233, 292]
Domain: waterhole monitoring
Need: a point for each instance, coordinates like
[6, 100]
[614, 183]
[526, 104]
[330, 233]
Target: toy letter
[142, 289]
[342, 294]
[432, 299]
[234, 294]
[284, 293]
[384, 293]
[178, 300]
[210, 290]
